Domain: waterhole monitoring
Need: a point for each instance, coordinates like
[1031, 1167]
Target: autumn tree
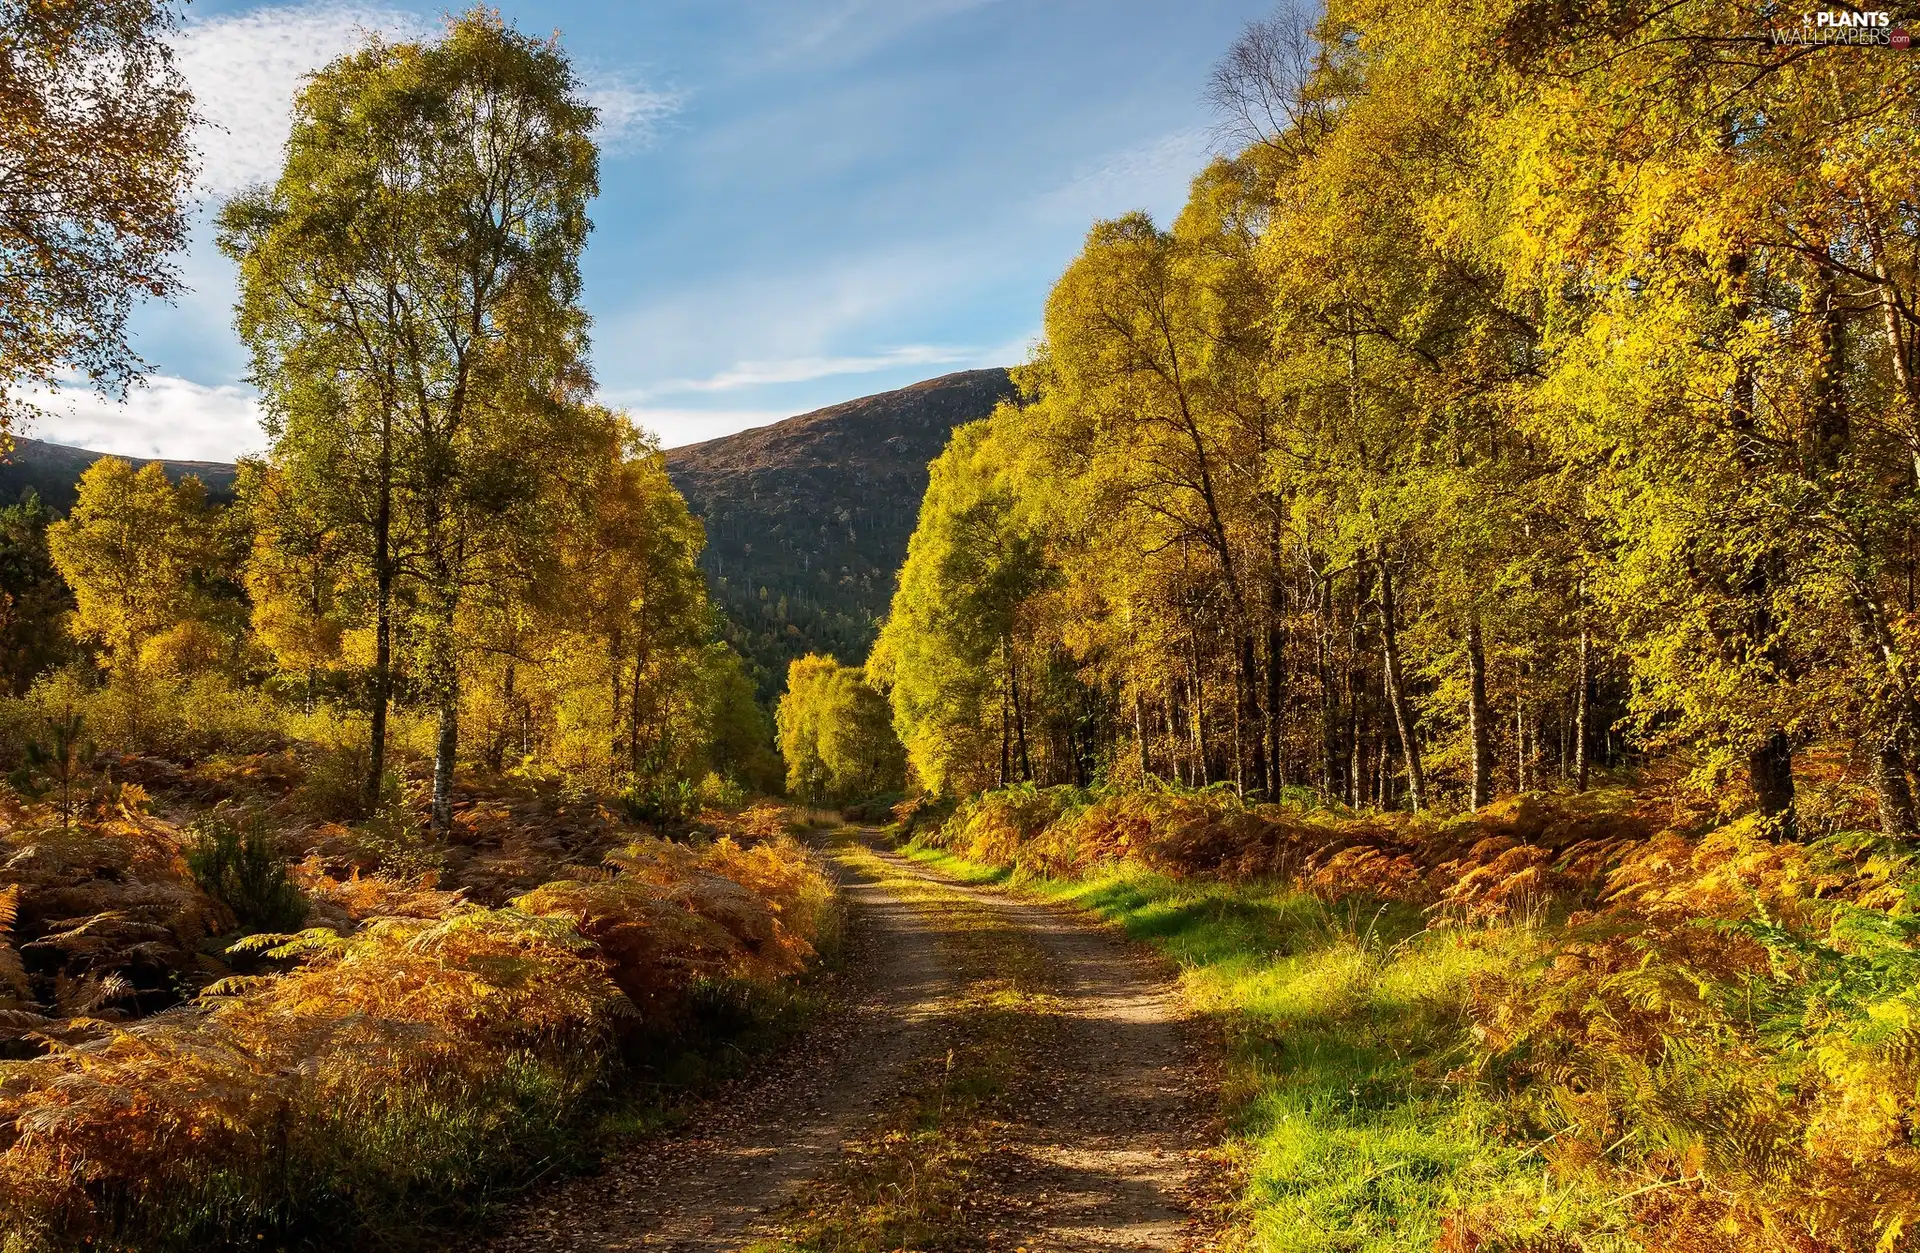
[955, 654]
[836, 734]
[410, 291]
[151, 564]
[94, 173]
[300, 576]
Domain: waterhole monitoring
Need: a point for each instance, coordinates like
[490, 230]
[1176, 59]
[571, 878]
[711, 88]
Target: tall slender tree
[410, 291]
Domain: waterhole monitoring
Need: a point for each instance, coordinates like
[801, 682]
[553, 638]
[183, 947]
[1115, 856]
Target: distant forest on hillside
[807, 520]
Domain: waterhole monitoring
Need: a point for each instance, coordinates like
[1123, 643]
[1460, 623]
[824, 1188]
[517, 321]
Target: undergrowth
[381, 1074]
[1558, 1025]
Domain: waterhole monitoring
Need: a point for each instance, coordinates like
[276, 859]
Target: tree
[298, 576]
[954, 648]
[836, 734]
[410, 293]
[151, 565]
[740, 738]
[34, 600]
[94, 171]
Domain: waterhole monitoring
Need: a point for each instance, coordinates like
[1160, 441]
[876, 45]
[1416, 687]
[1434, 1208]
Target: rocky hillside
[808, 519]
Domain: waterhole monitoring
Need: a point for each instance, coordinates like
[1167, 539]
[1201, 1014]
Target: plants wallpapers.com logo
[1865, 28]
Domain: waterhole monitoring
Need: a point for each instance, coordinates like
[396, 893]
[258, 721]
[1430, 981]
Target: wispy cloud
[807, 369]
[630, 115]
[167, 417]
[849, 31]
[245, 68]
[1156, 171]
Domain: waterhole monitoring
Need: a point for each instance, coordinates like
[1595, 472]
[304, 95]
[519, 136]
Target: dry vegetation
[226, 1017]
[1708, 1038]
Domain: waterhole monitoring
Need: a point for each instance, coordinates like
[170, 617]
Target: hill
[54, 470]
[808, 519]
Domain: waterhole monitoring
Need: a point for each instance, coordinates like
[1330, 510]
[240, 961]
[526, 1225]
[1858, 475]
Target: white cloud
[807, 369]
[168, 417]
[678, 427]
[629, 114]
[244, 69]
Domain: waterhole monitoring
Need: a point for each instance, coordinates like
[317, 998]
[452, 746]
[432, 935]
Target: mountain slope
[808, 519]
[54, 470]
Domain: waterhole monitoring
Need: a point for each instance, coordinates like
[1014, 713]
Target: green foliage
[55, 763]
[1455, 440]
[836, 734]
[183, 717]
[392, 840]
[661, 802]
[34, 599]
[427, 227]
[235, 859]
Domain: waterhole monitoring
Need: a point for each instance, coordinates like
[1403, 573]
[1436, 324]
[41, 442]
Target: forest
[1487, 507]
[1450, 593]
[1522, 400]
[334, 886]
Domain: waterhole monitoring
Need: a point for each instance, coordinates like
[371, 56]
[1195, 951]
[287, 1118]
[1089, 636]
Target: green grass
[1345, 1042]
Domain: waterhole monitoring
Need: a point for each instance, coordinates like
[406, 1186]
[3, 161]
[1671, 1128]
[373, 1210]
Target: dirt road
[1093, 1149]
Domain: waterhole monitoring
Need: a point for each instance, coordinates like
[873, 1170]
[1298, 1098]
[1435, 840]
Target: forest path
[1095, 1149]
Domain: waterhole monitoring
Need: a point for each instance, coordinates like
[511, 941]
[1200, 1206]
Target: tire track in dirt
[712, 1185]
[1099, 1147]
[1108, 1139]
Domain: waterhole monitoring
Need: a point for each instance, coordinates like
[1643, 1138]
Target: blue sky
[801, 201]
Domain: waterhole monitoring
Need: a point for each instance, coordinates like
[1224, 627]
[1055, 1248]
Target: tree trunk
[1140, 735]
[447, 740]
[383, 676]
[1253, 740]
[1479, 720]
[1019, 717]
[1197, 710]
[1329, 702]
[1397, 694]
[1583, 712]
[1006, 723]
[1276, 695]
[382, 694]
[1520, 731]
[1770, 771]
[497, 745]
[1891, 790]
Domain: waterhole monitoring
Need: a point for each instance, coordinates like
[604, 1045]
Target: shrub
[164, 716]
[393, 1070]
[334, 786]
[660, 802]
[236, 862]
[394, 843]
